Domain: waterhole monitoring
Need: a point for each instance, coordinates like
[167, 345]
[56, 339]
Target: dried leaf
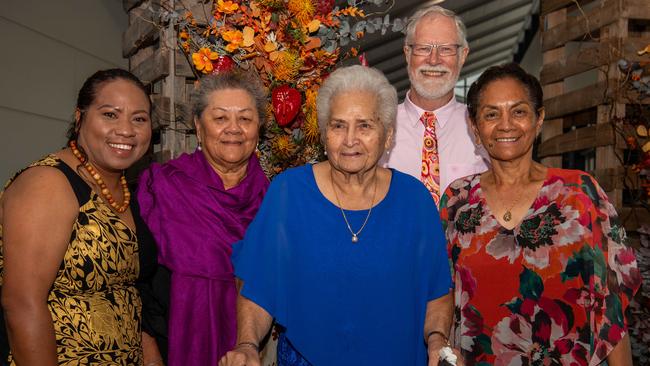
[646, 147]
[313, 25]
[314, 42]
[270, 47]
[249, 37]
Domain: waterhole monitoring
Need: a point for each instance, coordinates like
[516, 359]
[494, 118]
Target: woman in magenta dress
[197, 206]
[542, 271]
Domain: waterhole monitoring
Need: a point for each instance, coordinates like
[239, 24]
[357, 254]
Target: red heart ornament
[222, 64]
[286, 104]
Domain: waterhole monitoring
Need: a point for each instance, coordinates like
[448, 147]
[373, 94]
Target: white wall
[48, 49]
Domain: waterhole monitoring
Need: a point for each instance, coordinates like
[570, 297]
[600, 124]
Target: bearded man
[433, 140]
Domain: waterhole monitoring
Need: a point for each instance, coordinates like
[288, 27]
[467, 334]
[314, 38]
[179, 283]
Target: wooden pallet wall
[154, 57]
[582, 42]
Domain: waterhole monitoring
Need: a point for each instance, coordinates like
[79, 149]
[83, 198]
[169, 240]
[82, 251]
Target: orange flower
[203, 59]
[283, 146]
[286, 66]
[234, 38]
[226, 7]
[303, 10]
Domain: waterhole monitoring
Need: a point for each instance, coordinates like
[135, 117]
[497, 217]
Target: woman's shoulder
[159, 173]
[47, 166]
[569, 175]
[576, 180]
[464, 184]
[42, 182]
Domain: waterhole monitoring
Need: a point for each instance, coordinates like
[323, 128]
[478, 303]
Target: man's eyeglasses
[443, 49]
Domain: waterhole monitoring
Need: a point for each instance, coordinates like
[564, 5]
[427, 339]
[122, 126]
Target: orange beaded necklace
[100, 182]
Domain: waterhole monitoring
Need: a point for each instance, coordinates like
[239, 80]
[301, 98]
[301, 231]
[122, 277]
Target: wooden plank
[141, 55]
[130, 4]
[581, 26]
[578, 139]
[141, 32]
[183, 66]
[578, 100]
[633, 217]
[202, 13]
[636, 9]
[548, 6]
[161, 116]
[611, 179]
[154, 68]
[584, 60]
[588, 58]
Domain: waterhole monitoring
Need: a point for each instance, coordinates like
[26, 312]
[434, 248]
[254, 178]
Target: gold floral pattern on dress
[94, 305]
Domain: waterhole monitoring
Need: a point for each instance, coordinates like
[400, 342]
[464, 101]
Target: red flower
[324, 7]
[286, 104]
[223, 64]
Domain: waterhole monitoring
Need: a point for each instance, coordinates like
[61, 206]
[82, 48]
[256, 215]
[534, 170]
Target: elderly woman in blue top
[347, 256]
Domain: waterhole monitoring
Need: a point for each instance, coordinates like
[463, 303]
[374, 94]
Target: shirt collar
[443, 114]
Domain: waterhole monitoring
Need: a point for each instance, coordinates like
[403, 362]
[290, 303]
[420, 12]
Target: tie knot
[428, 119]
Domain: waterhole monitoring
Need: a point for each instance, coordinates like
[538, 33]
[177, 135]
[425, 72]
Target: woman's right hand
[241, 356]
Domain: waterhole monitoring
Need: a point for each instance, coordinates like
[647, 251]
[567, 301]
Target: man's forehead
[436, 24]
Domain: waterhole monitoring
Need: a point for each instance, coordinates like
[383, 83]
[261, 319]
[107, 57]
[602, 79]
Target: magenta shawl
[195, 221]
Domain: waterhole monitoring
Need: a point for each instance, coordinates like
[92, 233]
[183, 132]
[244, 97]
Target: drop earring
[198, 146]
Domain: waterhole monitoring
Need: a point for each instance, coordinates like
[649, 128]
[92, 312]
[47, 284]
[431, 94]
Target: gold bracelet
[249, 344]
[154, 363]
[444, 337]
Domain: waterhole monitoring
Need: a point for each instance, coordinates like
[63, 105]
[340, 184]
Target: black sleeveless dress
[94, 301]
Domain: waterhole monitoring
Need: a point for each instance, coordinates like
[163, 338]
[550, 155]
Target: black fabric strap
[79, 186]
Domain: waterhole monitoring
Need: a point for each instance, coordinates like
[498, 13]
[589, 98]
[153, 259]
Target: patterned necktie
[430, 163]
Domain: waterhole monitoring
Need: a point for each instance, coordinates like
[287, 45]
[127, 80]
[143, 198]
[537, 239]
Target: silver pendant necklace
[355, 235]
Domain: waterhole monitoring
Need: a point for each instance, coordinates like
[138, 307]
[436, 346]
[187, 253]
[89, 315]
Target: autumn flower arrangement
[636, 131]
[636, 127]
[293, 45]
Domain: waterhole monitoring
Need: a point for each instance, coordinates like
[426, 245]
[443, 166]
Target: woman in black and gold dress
[71, 240]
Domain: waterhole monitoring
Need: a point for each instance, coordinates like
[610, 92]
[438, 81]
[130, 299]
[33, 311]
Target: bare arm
[150, 351]
[436, 324]
[37, 214]
[621, 355]
[253, 322]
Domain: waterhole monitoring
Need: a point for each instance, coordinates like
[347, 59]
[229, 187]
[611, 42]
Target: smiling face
[355, 138]
[506, 121]
[228, 129]
[115, 129]
[434, 77]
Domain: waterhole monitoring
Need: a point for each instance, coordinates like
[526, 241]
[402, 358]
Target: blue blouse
[345, 303]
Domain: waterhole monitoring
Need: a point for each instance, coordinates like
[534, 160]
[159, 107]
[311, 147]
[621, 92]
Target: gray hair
[461, 30]
[357, 78]
[236, 79]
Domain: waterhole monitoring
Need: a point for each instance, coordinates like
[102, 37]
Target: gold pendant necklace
[355, 236]
[507, 216]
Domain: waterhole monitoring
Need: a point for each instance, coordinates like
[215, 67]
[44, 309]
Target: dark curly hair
[509, 70]
[88, 93]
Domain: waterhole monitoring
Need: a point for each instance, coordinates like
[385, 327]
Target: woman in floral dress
[542, 271]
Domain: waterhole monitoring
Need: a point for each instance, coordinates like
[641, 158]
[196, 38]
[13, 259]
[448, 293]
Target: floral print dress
[551, 291]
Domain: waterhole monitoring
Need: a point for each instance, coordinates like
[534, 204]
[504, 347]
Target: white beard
[432, 89]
